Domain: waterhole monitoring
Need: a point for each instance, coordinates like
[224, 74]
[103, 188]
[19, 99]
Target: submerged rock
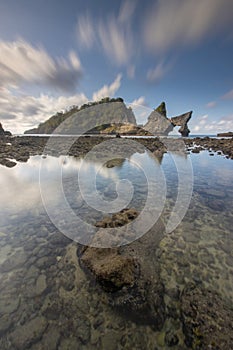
[128, 273]
[28, 334]
[207, 319]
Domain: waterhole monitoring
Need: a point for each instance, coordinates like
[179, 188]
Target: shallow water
[47, 301]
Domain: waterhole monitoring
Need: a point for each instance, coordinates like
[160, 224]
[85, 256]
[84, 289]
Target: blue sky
[54, 54]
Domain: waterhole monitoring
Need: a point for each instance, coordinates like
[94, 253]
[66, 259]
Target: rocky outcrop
[124, 129]
[133, 286]
[91, 118]
[182, 121]
[159, 124]
[4, 133]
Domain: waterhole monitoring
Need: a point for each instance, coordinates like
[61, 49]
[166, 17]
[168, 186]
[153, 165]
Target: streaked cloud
[211, 104]
[21, 63]
[176, 23]
[108, 90]
[131, 71]
[113, 34]
[156, 74]
[228, 95]
[85, 31]
[127, 10]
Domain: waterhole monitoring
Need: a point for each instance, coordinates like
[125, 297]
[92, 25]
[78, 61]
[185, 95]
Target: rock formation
[182, 121]
[4, 133]
[159, 124]
[127, 273]
[91, 118]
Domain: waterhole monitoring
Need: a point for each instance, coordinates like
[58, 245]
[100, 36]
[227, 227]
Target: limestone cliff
[159, 124]
[88, 117]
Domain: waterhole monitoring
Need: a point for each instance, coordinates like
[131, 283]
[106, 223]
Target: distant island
[111, 116]
[225, 134]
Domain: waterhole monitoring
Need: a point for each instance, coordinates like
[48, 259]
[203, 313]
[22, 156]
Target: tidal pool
[48, 302]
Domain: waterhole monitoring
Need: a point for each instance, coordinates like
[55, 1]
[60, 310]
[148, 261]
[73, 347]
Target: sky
[55, 54]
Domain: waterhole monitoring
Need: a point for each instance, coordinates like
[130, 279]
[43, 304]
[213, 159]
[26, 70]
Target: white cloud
[116, 40]
[108, 90]
[28, 111]
[140, 109]
[139, 101]
[228, 95]
[175, 23]
[113, 34]
[206, 125]
[157, 73]
[211, 104]
[196, 128]
[126, 10]
[85, 31]
[21, 63]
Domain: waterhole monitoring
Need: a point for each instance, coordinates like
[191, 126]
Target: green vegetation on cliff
[79, 118]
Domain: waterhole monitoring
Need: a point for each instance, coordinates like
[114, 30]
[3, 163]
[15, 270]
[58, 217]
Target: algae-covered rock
[207, 319]
[111, 270]
[130, 273]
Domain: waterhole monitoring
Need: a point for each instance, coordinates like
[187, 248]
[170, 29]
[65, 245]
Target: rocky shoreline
[94, 298]
[19, 149]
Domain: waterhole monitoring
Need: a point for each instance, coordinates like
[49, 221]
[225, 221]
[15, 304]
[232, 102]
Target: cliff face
[87, 117]
[159, 124]
[99, 117]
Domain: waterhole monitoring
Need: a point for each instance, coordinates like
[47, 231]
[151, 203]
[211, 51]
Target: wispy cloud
[156, 74]
[131, 71]
[21, 63]
[211, 104]
[113, 33]
[228, 95]
[85, 31]
[108, 90]
[177, 23]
